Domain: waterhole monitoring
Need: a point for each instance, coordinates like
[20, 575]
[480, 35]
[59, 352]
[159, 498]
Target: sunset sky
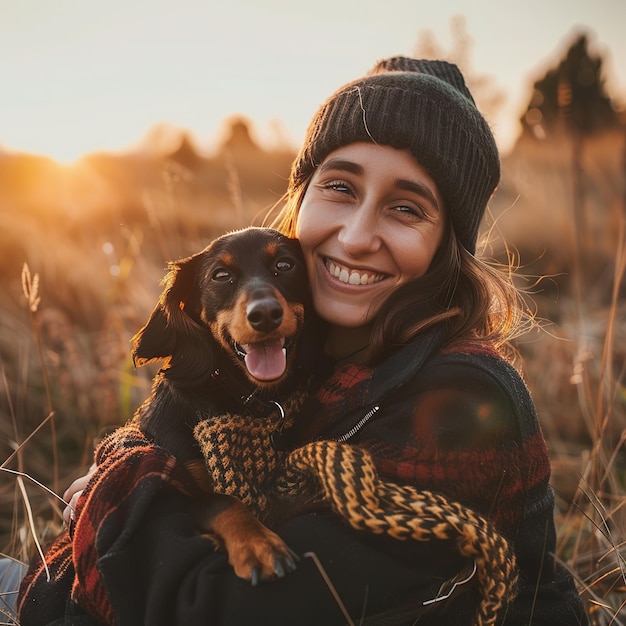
[85, 75]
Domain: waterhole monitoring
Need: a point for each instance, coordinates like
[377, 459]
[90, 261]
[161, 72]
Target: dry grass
[65, 372]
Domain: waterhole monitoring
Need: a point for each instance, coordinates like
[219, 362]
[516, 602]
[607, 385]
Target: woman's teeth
[352, 277]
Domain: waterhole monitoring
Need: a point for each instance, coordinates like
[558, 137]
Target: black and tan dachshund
[226, 324]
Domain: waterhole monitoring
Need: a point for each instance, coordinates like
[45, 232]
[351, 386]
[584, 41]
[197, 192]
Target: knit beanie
[423, 106]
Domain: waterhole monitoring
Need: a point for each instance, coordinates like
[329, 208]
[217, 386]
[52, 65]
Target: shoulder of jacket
[479, 355]
[483, 360]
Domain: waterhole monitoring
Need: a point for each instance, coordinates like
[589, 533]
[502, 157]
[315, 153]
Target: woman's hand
[73, 492]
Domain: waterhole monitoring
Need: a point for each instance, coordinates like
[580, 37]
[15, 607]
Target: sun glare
[63, 152]
[63, 148]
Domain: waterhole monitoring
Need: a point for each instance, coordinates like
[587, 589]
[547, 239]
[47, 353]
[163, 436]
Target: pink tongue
[265, 361]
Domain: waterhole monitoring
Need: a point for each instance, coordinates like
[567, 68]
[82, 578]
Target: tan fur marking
[235, 323]
[248, 542]
[227, 259]
[271, 249]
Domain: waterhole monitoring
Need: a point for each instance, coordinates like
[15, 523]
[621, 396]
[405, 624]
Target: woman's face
[371, 220]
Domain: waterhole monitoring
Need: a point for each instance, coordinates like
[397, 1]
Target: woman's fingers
[73, 492]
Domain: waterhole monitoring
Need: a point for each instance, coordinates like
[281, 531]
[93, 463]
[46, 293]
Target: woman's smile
[352, 276]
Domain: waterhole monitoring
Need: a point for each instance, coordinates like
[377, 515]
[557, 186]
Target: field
[83, 247]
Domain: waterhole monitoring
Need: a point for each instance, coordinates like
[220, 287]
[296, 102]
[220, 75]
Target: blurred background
[132, 133]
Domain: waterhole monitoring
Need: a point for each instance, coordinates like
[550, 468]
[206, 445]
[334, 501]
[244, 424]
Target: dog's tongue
[265, 361]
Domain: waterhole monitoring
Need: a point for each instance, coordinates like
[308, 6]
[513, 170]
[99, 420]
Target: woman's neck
[349, 345]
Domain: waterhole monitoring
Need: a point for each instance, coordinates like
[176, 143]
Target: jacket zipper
[357, 427]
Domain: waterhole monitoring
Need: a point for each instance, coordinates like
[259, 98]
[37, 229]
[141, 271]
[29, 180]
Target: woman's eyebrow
[342, 164]
[418, 188]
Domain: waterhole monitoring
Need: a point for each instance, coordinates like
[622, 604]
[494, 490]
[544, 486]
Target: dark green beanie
[423, 106]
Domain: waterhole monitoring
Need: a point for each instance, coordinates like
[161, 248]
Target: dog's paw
[254, 551]
[262, 557]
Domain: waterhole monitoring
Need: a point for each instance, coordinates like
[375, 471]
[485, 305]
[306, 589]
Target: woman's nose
[359, 232]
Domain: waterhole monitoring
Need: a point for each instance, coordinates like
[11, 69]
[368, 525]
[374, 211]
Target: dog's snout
[264, 314]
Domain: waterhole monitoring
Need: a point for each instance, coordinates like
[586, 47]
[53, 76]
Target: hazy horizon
[94, 76]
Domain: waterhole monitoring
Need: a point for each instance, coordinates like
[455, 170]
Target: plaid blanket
[131, 470]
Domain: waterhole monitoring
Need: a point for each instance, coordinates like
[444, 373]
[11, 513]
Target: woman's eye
[284, 265]
[338, 186]
[409, 211]
[221, 275]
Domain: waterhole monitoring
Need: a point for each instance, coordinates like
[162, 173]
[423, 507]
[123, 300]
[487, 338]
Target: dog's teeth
[240, 350]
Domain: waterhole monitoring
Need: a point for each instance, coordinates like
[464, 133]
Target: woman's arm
[167, 575]
[139, 559]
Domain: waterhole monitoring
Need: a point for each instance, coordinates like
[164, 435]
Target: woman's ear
[171, 323]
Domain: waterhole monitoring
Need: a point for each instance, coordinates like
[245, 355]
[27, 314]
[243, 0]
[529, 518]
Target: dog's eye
[221, 275]
[284, 264]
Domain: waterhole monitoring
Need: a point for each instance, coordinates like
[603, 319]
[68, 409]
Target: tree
[570, 105]
[571, 97]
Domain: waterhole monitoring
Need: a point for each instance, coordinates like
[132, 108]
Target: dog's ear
[172, 322]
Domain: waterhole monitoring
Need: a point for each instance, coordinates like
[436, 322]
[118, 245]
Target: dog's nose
[264, 314]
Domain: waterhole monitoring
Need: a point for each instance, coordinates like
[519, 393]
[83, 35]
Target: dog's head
[242, 298]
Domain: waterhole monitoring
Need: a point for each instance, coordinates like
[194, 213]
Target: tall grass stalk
[30, 287]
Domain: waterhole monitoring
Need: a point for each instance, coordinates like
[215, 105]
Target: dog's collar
[242, 394]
